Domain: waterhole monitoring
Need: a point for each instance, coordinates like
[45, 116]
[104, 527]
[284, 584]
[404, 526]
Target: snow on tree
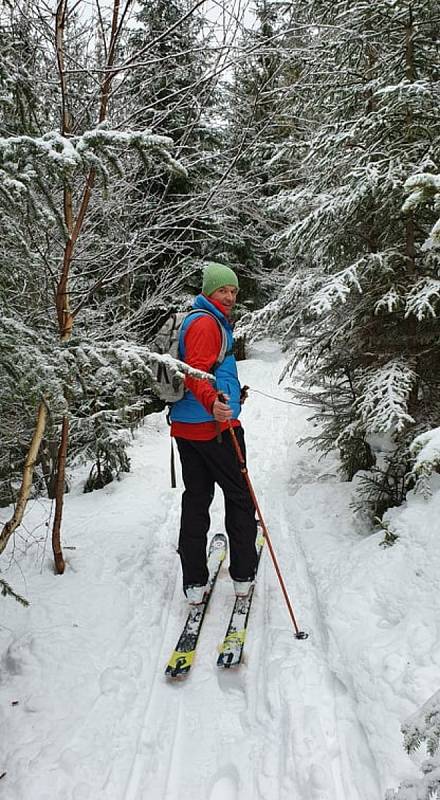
[172, 90]
[367, 294]
[422, 189]
[58, 253]
[425, 451]
[422, 727]
[105, 385]
[259, 129]
[90, 210]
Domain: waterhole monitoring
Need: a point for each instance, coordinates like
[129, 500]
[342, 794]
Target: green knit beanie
[217, 275]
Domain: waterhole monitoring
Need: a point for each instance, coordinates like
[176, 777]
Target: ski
[231, 650]
[182, 657]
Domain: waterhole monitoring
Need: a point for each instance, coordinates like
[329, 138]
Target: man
[199, 423]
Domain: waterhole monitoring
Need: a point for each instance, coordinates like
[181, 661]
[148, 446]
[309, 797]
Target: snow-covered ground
[86, 712]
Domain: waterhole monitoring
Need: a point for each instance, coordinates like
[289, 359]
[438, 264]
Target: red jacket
[202, 347]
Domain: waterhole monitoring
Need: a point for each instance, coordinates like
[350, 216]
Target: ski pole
[298, 634]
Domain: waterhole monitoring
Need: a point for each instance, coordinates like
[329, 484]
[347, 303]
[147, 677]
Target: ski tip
[176, 673]
[175, 677]
[179, 664]
[228, 661]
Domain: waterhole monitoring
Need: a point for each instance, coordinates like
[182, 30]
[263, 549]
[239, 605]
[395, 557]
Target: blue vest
[226, 378]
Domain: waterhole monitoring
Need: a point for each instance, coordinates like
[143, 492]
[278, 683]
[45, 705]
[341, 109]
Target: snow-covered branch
[422, 188]
[335, 290]
[21, 155]
[383, 402]
[423, 726]
[423, 298]
[425, 450]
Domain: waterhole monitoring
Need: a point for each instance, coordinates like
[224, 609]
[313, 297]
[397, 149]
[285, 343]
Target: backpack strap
[224, 344]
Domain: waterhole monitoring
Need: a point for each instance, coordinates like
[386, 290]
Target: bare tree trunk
[74, 226]
[410, 243]
[64, 314]
[59, 498]
[26, 483]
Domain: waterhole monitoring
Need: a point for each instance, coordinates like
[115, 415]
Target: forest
[297, 142]
[303, 151]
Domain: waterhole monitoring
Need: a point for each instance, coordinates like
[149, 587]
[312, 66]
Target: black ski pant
[205, 463]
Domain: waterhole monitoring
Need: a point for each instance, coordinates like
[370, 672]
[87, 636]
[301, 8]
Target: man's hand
[220, 409]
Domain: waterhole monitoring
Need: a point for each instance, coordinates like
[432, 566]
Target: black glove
[243, 394]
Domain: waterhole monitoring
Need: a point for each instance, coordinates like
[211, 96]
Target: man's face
[227, 296]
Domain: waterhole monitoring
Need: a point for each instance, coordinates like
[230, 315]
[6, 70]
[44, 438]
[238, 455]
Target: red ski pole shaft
[299, 634]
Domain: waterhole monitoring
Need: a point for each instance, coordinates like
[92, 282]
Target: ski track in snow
[282, 726]
[271, 739]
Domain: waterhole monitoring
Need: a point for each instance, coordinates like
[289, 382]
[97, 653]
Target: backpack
[167, 386]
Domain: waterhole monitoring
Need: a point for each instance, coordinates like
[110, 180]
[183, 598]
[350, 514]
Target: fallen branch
[26, 484]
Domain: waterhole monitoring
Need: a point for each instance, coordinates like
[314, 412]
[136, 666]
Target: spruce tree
[365, 287]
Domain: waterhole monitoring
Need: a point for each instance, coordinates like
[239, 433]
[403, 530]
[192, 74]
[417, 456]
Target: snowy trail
[110, 726]
[283, 720]
[316, 713]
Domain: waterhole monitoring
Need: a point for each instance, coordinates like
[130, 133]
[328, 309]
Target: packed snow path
[89, 713]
